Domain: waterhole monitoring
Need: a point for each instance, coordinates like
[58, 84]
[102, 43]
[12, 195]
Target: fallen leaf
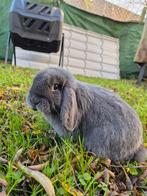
[145, 145]
[106, 176]
[121, 186]
[3, 160]
[99, 175]
[17, 155]
[113, 187]
[125, 194]
[71, 190]
[1, 94]
[3, 193]
[113, 193]
[144, 175]
[75, 160]
[33, 153]
[16, 88]
[39, 177]
[111, 174]
[3, 182]
[93, 165]
[106, 162]
[39, 167]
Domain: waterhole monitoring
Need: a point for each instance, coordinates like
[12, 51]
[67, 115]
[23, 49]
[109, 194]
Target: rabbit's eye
[57, 87]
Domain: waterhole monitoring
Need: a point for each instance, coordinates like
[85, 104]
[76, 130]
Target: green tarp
[128, 33]
[4, 8]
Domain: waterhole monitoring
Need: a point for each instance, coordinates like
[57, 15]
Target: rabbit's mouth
[34, 106]
[39, 103]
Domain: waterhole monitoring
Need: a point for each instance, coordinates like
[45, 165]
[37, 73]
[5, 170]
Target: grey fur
[109, 126]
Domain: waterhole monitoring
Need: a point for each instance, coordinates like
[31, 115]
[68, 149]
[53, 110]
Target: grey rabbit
[109, 126]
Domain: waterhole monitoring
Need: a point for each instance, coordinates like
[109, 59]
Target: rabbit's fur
[109, 126]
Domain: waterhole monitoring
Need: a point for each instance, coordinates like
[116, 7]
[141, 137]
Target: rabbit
[110, 128]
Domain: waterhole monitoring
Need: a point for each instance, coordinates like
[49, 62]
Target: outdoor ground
[71, 170]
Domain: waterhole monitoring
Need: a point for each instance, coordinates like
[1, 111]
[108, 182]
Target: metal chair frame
[9, 40]
[141, 74]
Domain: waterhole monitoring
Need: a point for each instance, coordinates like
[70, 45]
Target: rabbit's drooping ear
[69, 109]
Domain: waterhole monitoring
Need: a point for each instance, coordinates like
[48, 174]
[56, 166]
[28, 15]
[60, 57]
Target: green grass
[20, 127]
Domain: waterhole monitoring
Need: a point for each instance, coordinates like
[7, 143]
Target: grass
[70, 167]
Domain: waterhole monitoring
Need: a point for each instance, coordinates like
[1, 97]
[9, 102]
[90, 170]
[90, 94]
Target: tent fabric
[4, 27]
[128, 33]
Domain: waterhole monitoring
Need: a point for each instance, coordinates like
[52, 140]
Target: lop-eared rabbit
[109, 126]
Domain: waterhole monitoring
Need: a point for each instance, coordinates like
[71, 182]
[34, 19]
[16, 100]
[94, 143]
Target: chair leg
[7, 48]
[141, 74]
[14, 51]
[61, 60]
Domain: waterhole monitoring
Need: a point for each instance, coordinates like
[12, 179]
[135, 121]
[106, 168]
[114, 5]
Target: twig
[97, 176]
[144, 175]
[125, 166]
[77, 185]
[128, 181]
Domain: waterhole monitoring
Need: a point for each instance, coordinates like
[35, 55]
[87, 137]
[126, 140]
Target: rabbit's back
[111, 128]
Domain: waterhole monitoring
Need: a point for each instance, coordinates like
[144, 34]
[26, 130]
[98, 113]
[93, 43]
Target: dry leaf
[3, 193]
[39, 177]
[106, 162]
[113, 193]
[106, 176]
[17, 155]
[111, 173]
[1, 94]
[113, 187]
[144, 175]
[33, 154]
[99, 175]
[3, 182]
[16, 88]
[125, 194]
[43, 157]
[71, 190]
[121, 186]
[145, 145]
[40, 154]
[39, 167]
[3, 160]
[94, 164]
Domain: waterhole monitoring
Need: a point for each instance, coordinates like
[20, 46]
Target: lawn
[72, 170]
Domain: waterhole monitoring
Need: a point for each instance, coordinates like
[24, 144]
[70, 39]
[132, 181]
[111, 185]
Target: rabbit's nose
[34, 100]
